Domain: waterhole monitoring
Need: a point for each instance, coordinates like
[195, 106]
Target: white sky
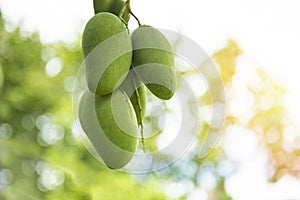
[267, 30]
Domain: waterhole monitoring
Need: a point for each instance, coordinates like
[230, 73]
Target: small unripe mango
[112, 6]
[117, 6]
[137, 93]
[110, 123]
[107, 49]
[153, 61]
[102, 5]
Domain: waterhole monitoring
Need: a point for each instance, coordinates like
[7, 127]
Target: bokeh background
[255, 45]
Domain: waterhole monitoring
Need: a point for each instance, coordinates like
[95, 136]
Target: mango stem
[140, 115]
[135, 17]
[126, 5]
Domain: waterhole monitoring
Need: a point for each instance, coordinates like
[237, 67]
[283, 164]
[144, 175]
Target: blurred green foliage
[39, 156]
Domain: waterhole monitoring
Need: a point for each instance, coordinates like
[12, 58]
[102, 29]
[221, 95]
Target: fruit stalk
[140, 116]
[126, 5]
[135, 17]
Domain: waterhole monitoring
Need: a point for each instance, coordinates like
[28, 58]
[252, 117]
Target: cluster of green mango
[119, 68]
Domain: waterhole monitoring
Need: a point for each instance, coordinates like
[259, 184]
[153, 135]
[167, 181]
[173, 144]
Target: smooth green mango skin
[112, 6]
[115, 141]
[97, 31]
[152, 48]
[139, 104]
[102, 5]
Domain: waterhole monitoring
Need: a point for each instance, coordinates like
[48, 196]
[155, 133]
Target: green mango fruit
[102, 5]
[117, 6]
[153, 61]
[107, 49]
[136, 90]
[112, 6]
[109, 122]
